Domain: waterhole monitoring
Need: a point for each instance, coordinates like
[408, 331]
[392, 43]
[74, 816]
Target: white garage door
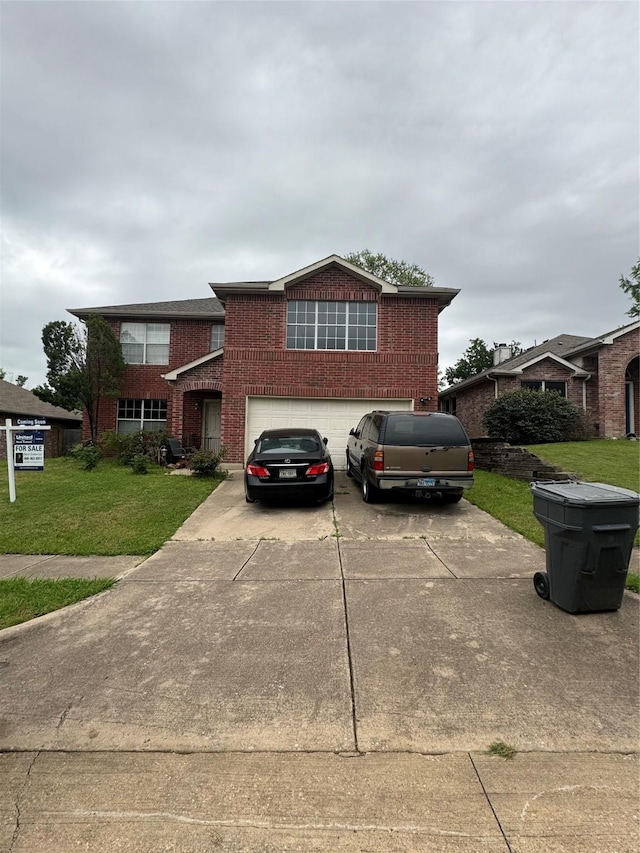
[333, 418]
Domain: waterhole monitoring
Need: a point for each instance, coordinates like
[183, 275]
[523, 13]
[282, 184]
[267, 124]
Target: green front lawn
[613, 462]
[22, 599]
[510, 501]
[107, 511]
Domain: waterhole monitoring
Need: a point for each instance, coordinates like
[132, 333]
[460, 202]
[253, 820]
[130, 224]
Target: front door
[629, 413]
[211, 425]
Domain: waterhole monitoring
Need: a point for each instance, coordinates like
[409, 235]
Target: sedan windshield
[288, 444]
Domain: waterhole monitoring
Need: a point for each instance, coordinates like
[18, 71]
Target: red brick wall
[613, 361]
[257, 363]
[189, 340]
[605, 389]
[471, 404]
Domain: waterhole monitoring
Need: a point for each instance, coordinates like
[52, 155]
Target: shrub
[139, 463]
[88, 455]
[205, 463]
[127, 446]
[535, 417]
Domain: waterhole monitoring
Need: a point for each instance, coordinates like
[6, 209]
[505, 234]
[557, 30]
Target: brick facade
[616, 362]
[601, 394]
[256, 361]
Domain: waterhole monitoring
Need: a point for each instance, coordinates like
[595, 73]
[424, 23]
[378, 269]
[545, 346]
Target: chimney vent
[501, 353]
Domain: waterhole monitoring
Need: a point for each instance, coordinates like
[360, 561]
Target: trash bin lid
[579, 493]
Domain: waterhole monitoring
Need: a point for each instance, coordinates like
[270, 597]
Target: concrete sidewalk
[334, 676]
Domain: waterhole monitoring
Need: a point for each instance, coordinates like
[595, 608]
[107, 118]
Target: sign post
[27, 454]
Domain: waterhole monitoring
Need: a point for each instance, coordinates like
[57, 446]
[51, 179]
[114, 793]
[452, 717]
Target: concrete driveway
[335, 674]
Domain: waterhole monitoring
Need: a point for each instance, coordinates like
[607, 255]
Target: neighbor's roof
[188, 308]
[563, 347]
[560, 346]
[20, 401]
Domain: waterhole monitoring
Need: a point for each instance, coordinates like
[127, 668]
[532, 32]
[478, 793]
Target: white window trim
[142, 418]
[315, 347]
[144, 343]
[544, 384]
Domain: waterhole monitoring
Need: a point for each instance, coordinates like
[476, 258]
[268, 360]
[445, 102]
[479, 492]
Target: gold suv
[425, 453]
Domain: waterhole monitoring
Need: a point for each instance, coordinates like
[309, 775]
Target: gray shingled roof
[192, 308]
[22, 402]
[561, 345]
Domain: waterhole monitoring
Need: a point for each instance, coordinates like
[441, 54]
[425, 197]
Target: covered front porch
[196, 400]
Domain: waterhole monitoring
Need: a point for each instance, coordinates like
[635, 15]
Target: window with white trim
[217, 336]
[328, 325]
[145, 343]
[545, 385]
[135, 415]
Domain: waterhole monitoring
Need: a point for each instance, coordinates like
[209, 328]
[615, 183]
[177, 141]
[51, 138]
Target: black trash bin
[589, 530]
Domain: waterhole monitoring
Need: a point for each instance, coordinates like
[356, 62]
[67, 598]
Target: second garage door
[333, 418]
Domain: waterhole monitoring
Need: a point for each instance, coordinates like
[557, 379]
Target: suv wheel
[349, 468]
[369, 493]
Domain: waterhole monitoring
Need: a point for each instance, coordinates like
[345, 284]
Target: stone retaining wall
[516, 462]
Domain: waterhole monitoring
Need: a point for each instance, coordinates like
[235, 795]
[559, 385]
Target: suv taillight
[378, 461]
[470, 461]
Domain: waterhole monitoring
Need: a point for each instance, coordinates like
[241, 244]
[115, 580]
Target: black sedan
[289, 463]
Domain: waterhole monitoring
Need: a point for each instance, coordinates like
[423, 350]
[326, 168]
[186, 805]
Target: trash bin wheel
[541, 584]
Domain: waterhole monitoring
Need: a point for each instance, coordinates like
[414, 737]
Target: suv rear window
[406, 430]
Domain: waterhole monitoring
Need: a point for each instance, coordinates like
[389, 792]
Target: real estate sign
[29, 442]
[28, 450]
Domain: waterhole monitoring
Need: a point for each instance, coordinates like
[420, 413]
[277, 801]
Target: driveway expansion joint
[16, 831]
[490, 804]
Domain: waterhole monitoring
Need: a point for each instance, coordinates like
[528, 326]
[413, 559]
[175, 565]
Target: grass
[108, 511]
[507, 500]
[502, 749]
[614, 462]
[22, 599]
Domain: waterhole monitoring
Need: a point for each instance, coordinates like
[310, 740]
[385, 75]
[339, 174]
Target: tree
[476, 358]
[20, 380]
[534, 417]
[631, 287]
[84, 365]
[395, 272]
[62, 343]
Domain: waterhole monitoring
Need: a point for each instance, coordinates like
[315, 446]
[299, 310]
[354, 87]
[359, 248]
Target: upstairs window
[323, 325]
[545, 385]
[217, 336]
[145, 343]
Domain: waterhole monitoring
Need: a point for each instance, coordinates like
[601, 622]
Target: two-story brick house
[319, 347]
[598, 375]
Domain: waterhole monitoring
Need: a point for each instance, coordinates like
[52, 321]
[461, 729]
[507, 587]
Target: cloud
[149, 148]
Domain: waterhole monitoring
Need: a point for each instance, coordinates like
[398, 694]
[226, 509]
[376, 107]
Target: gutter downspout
[495, 385]
[585, 379]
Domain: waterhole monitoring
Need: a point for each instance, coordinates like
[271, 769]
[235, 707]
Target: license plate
[426, 481]
[287, 473]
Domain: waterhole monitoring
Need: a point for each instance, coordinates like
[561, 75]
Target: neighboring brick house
[16, 402]
[599, 375]
[319, 347]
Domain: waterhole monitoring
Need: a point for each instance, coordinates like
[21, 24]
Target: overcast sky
[149, 148]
